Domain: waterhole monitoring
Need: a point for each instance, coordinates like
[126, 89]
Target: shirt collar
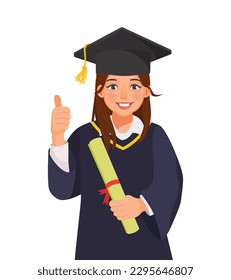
[136, 127]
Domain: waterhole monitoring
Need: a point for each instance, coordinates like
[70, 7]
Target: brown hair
[102, 113]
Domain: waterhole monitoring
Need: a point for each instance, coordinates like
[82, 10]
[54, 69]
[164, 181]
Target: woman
[141, 153]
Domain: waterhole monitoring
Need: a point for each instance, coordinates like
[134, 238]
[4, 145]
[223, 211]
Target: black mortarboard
[122, 52]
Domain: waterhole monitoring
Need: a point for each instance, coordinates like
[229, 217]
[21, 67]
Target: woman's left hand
[127, 208]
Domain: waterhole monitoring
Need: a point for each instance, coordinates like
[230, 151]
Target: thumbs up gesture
[60, 120]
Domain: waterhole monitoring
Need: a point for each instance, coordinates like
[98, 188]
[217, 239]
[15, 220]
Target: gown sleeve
[66, 185]
[164, 193]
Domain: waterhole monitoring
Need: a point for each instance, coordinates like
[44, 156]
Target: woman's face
[123, 95]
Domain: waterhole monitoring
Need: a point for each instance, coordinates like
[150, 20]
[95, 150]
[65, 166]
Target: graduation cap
[121, 52]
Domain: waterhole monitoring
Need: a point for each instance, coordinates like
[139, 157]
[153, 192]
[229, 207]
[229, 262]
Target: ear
[101, 93]
[147, 92]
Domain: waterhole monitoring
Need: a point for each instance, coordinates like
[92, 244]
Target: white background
[38, 39]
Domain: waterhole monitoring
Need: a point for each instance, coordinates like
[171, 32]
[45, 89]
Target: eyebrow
[135, 80]
[111, 80]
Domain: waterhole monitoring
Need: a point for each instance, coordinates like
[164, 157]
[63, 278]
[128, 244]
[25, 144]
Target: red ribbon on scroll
[105, 191]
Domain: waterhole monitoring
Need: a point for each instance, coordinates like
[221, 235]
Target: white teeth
[124, 104]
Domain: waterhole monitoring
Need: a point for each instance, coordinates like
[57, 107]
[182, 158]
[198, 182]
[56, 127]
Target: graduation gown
[149, 168]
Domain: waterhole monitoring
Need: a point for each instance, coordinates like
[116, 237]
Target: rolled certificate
[110, 178]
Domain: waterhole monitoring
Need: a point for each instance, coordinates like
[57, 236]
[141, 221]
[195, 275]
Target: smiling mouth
[124, 105]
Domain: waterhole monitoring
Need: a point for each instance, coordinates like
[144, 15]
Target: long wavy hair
[101, 113]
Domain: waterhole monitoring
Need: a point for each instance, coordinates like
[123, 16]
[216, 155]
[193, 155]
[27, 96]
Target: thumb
[58, 102]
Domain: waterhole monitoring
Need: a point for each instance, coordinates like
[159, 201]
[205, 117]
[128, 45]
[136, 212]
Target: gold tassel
[82, 76]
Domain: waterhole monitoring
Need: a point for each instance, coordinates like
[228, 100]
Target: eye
[134, 87]
[113, 87]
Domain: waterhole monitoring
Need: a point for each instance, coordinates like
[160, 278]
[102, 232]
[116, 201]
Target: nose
[123, 93]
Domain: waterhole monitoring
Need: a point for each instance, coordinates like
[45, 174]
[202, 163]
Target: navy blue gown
[149, 168]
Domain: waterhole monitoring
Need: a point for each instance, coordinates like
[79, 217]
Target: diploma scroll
[110, 178]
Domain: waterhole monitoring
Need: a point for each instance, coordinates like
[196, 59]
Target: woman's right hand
[60, 120]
